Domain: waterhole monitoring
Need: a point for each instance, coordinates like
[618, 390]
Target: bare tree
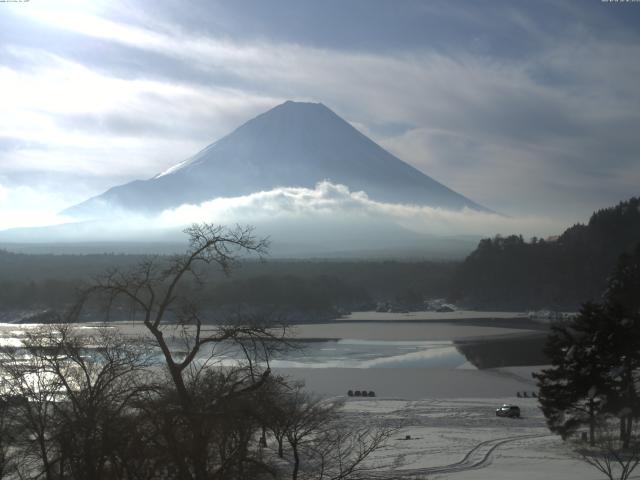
[74, 388]
[35, 414]
[7, 431]
[163, 294]
[615, 458]
[344, 452]
[274, 411]
[303, 418]
[322, 443]
[153, 289]
[102, 406]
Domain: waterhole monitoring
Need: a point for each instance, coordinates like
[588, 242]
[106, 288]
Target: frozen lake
[357, 353]
[451, 344]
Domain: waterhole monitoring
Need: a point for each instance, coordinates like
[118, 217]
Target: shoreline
[460, 327]
[416, 383]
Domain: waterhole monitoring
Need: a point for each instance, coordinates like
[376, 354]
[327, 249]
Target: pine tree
[622, 302]
[574, 391]
[596, 360]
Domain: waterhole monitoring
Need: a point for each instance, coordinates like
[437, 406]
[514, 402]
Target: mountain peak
[299, 110]
[298, 104]
[295, 144]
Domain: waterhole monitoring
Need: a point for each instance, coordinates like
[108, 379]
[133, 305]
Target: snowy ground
[415, 383]
[463, 439]
[448, 412]
[450, 416]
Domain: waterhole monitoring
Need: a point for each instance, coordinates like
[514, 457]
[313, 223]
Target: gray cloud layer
[531, 109]
[329, 202]
[326, 220]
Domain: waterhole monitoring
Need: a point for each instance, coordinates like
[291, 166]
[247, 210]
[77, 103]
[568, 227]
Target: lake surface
[354, 353]
[410, 360]
[479, 347]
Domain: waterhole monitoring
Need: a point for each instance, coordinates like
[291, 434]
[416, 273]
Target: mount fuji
[292, 145]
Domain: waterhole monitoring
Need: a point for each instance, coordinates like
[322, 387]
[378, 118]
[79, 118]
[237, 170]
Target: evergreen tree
[623, 286]
[561, 273]
[574, 391]
[596, 359]
[622, 301]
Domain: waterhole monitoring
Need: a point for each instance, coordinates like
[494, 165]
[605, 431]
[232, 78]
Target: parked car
[512, 411]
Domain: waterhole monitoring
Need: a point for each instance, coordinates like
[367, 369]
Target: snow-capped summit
[295, 144]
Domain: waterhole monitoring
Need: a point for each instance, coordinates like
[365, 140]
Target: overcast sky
[527, 107]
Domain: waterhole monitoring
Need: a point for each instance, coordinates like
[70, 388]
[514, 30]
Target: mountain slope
[294, 145]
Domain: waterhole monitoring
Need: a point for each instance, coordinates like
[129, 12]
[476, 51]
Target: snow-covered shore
[414, 383]
[455, 438]
[449, 413]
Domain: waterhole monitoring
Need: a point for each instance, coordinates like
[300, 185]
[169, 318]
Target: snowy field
[414, 383]
[427, 388]
[463, 439]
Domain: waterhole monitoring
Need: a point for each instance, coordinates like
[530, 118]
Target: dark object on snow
[350, 393]
[372, 393]
[364, 393]
[357, 393]
[407, 437]
[525, 395]
[511, 411]
[534, 395]
[518, 394]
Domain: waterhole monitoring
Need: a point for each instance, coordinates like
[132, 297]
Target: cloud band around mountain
[336, 203]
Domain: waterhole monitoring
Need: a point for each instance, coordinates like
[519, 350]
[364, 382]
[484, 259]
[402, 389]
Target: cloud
[336, 203]
[326, 220]
[541, 122]
[23, 206]
[68, 118]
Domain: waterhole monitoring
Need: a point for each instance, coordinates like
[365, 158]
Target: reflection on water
[505, 352]
[356, 353]
[370, 353]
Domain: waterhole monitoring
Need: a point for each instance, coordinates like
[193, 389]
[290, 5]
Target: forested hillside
[37, 282]
[509, 272]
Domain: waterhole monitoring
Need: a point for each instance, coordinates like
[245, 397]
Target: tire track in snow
[478, 457]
